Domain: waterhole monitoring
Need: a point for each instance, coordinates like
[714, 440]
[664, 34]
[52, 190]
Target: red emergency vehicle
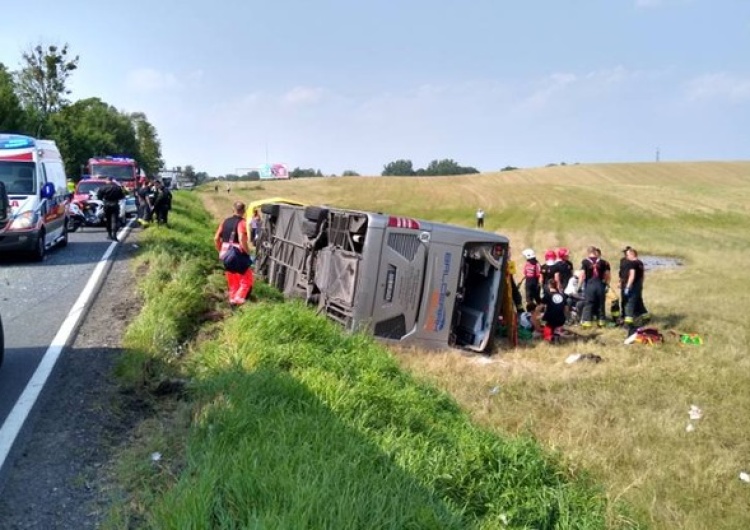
[122, 169]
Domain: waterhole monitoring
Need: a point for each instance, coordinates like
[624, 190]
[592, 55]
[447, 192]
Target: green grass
[289, 423]
[302, 426]
[624, 420]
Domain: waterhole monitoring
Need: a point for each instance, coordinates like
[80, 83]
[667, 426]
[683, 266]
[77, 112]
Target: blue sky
[341, 85]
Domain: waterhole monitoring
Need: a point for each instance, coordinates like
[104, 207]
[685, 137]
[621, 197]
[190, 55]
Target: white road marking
[16, 418]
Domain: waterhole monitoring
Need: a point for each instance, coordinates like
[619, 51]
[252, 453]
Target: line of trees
[447, 166]
[34, 101]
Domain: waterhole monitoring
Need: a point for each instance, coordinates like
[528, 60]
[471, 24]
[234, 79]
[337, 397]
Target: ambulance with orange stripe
[33, 175]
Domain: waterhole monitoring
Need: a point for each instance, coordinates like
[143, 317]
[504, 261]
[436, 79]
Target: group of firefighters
[557, 293]
[154, 201]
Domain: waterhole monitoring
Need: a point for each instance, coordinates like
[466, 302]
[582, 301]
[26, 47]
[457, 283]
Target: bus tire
[310, 229]
[270, 209]
[316, 213]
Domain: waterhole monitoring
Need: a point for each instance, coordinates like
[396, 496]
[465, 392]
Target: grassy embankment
[624, 419]
[288, 423]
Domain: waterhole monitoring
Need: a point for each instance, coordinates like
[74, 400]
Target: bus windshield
[19, 177]
[120, 173]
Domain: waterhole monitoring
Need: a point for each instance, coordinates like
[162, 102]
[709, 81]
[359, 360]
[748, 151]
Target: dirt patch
[661, 262]
[60, 478]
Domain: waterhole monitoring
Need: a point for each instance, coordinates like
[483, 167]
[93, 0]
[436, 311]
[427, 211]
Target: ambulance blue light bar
[16, 141]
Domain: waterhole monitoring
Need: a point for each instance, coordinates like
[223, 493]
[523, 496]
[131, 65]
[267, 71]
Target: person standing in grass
[532, 273]
[254, 225]
[563, 268]
[631, 277]
[553, 316]
[480, 218]
[515, 291]
[162, 202]
[548, 268]
[604, 265]
[233, 232]
[594, 275]
[145, 209]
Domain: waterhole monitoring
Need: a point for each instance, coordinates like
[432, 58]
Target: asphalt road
[35, 299]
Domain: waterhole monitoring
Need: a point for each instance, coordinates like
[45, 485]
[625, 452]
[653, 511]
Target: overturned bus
[404, 280]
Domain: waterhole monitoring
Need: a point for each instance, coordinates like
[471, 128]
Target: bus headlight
[23, 221]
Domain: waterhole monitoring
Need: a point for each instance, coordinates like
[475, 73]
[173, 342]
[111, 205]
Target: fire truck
[122, 169]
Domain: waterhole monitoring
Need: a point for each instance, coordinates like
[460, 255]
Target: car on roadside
[86, 189]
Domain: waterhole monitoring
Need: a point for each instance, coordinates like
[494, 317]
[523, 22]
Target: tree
[250, 175]
[149, 147]
[299, 172]
[350, 173]
[42, 82]
[448, 167]
[91, 127]
[403, 168]
[12, 116]
[189, 174]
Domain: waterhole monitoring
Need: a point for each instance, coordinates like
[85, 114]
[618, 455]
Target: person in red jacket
[233, 232]
[532, 274]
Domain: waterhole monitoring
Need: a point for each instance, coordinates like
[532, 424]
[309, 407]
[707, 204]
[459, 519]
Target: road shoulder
[59, 478]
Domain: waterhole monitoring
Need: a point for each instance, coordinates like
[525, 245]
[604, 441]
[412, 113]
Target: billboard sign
[273, 171]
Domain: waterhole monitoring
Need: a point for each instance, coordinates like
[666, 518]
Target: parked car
[401, 279]
[87, 188]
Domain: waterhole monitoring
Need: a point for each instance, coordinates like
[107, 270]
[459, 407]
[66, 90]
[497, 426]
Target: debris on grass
[695, 413]
[155, 456]
[575, 357]
[745, 477]
[483, 359]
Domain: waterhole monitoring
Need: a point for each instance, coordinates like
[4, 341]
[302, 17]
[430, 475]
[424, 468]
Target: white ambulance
[34, 177]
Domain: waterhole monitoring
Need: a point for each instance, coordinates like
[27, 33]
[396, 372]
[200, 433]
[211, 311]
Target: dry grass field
[624, 419]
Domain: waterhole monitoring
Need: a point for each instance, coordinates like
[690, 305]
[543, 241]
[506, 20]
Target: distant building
[175, 180]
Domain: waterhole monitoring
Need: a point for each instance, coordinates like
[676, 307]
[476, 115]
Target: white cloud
[303, 95]
[549, 87]
[718, 86]
[609, 76]
[151, 80]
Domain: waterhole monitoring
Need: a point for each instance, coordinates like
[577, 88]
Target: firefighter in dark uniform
[604, 265]
[111, 194]
[631, 278]
[548, 269]
[563, 269]
[162, 202]
[595, 273]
